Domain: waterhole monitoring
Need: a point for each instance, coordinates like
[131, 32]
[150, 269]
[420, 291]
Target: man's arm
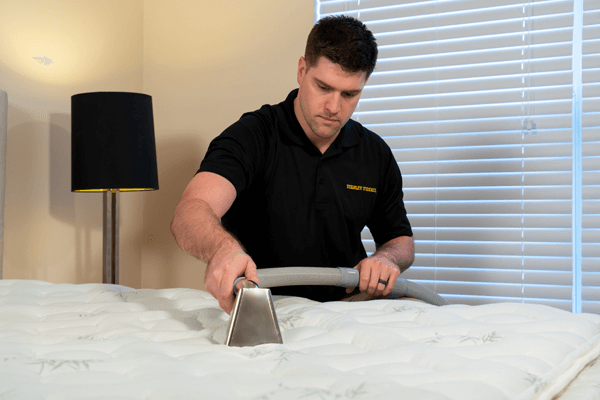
[197, 229]
[390, 259]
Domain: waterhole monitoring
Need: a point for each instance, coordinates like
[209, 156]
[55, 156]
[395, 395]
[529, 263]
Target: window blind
[476, 101]
[590, 122]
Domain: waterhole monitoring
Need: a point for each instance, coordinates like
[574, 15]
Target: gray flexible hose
[345, 277]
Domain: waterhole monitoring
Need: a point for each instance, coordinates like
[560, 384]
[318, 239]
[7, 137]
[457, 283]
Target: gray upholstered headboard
[3, 128]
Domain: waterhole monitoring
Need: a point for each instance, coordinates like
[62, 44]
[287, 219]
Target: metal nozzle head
[253, 320]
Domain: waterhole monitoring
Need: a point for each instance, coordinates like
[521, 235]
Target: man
[294, 184]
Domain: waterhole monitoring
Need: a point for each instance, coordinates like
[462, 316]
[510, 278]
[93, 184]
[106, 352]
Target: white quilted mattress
[62, 341]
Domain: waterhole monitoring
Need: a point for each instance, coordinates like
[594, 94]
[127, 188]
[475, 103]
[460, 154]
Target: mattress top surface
[97, 341]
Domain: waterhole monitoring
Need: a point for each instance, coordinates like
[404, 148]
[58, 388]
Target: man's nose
[333, 103]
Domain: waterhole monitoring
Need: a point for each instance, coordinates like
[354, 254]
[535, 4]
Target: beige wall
[52, 234]
[204, 65]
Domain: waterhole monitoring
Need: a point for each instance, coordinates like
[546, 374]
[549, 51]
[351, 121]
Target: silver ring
[384, 282]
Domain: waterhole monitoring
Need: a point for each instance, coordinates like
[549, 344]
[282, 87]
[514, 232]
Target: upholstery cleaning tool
[253, 320]
[344, 277]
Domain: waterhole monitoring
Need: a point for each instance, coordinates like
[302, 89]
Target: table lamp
[112, 150]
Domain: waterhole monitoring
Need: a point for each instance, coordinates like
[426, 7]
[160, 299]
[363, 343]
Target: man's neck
[322, 144]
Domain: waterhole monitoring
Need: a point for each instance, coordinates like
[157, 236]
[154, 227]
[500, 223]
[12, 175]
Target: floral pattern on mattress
[61, 341]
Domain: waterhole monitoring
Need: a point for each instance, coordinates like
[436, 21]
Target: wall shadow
[179, 155]
[62, 201]
[82, 210]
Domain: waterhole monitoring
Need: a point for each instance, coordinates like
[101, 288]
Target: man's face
[327, 97]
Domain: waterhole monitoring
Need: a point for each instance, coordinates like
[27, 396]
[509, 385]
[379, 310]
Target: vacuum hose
[345, 277]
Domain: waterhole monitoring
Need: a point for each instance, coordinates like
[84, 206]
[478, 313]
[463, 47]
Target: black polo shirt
[298, 207]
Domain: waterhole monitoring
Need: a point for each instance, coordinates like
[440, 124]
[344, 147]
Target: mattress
[94, 341]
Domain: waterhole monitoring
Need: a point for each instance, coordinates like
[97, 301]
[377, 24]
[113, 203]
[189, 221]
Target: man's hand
[373, 270]
[390, 259]
[229, 263]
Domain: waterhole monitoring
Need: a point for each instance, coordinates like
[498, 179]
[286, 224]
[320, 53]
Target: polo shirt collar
[347, 138]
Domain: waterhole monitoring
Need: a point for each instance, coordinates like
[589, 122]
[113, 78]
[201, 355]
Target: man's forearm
[198, 231]
[400, 251]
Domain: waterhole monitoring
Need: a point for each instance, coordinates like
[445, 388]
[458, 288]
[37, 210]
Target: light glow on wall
[66, 42]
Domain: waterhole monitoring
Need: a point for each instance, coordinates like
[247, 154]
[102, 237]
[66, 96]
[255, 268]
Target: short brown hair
[343, 40]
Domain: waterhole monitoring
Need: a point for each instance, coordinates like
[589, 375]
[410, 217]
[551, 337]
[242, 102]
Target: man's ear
[301, 69]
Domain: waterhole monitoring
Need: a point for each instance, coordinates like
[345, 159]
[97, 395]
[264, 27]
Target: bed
[100, 341]
[95, 341]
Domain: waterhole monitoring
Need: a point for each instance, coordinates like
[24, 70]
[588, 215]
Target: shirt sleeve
[389, 219]
[238, 153]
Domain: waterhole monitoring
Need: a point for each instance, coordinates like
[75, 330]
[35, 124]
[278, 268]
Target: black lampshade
[112, 142]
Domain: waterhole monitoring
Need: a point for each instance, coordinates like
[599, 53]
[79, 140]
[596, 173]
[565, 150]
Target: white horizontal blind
[591, 157]
[475, 99]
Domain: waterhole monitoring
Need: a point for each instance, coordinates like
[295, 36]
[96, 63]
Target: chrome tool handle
[248, 284]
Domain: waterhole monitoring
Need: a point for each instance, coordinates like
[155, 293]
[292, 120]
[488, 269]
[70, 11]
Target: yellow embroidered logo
[362, 188]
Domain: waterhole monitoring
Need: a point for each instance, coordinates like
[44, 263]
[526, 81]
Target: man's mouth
[331, 120]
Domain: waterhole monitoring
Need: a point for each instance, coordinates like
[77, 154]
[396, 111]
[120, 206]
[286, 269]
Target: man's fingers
[382, 283]
[246, 268]
[391, 281]
[226, 305]
[224, 292]
[226, 297]
[374, 283]
[387, 284]
[222, 273]
[365, 277]
[250, 272]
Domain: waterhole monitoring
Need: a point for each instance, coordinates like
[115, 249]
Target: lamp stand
[110, 243]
